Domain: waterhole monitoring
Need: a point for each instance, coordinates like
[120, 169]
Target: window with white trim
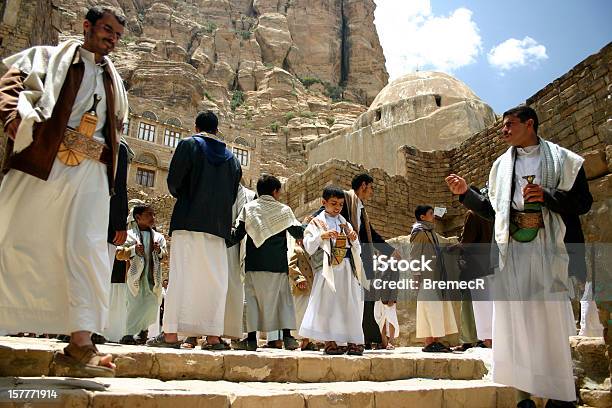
[145, 177]
[171, 138]
[242, 155]
[146, 132]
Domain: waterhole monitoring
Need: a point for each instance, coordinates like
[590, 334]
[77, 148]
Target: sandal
[390, 346]
[244, 344]
[273, 344]
[290, 343]
[436, 347]
[355, 349]
[221, 346]
[160, 341]
[128, 340]
[83, 361]
[463, 347]
[332, 349]
[310, 347]
[189, 343]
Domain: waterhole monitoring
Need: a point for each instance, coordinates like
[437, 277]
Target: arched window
[147, 158]
[149, 115]
[174, 122]
[241, 141]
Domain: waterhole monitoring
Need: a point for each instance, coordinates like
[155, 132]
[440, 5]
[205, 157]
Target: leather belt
[527, 219]
[77, 146]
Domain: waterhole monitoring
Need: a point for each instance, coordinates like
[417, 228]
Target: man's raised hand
[456, 184]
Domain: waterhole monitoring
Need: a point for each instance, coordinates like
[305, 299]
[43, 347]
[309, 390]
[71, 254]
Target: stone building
[428, 110]
[154, 139]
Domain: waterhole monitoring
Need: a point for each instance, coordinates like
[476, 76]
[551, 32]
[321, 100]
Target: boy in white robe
[335, 308]
[144, 249]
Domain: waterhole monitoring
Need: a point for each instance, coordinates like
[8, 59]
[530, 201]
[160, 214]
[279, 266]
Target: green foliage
[307, 81]
[207, 95]
[274, 127]
[245, 34]
[307, 114]
[209, 27]
[288, 116]
[237, 99]
[269, 65]
[249, 115]
[330, 121]
[334, 92]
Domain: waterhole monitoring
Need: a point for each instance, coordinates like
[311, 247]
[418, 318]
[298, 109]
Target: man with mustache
[537, 190]
[62, 109]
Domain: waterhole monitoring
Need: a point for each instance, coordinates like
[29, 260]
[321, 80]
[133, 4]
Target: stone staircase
[158, 378]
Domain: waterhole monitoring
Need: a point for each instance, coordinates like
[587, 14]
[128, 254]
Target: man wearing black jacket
[537, 191]
[204, 177]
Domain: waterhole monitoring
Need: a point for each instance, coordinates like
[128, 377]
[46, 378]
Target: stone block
[479, 397]
[601, 187]
[314, 368]
[609, 157]
[392, 367]
[169, 399]
[252, 367]
[189, 365]
[357, 398]
[24, 362]
[596, 398]
[350, 368]
[432, 368]
[595, 164]
[409, 398]
[135, 364]
[268, 400]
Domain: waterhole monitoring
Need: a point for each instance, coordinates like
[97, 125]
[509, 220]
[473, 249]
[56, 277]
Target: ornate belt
[527, 219]
[77, 147]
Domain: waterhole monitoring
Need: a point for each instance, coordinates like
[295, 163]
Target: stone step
[34, 357]
[145, 392]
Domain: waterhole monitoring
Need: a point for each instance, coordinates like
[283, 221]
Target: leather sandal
[83, 361]
[332, 349]
[355, 349]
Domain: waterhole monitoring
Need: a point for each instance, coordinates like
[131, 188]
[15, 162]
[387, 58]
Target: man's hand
[140, 249]
[120, 237]
[156, 248]
[533, 193]
[329, 234]
[456, 184]
[352, 235]
[11, 129]
[302, 285]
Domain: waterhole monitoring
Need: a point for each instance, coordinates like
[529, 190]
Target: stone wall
[389, 209]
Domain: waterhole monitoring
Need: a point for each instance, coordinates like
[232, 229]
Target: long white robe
[54, 261]
[117, 315]
[333, 315]
[531, 349]
[197, 286]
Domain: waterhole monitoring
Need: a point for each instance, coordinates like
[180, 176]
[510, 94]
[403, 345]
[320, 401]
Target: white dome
[448, 88]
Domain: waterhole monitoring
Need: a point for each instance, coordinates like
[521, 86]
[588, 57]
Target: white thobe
[531, 350]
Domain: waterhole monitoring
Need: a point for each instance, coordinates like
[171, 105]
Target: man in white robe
[54, 263]
[204, 177]
[537, 190]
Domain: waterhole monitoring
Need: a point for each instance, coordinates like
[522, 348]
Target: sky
[505, 51]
